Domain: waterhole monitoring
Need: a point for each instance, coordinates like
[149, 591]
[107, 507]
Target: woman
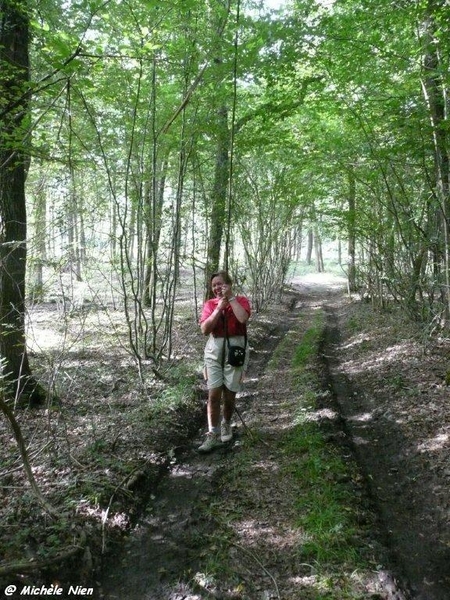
[223, 316]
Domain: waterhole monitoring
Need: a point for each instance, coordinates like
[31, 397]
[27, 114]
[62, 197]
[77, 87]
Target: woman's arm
[240, 312]
[208, 324]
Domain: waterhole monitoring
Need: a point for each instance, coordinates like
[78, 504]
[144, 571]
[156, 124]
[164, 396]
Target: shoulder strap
[225, 339]
[226, 332]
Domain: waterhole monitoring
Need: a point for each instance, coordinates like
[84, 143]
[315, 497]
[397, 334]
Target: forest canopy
[147, 143]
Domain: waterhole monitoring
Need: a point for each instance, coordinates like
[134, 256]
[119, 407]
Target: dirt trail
[165, 545]
[168, 540]
[406, 492]
[400, 478]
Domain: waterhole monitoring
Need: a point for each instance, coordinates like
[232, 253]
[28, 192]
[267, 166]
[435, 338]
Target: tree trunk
[351, 232]
[219, 196]
[309, 247]
[318, 251]
[14, 82]
[39, 240]
[436, 93]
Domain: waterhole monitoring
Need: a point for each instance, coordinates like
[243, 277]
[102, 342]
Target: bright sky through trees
[274, 4]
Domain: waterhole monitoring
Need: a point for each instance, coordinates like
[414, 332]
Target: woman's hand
[226, 291]
[225, 296]
[223, 303]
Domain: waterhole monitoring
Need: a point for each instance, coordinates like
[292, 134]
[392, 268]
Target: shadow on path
[393, 469]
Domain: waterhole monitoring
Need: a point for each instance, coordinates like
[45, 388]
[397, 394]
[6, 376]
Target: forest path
[166, 546]
[162, 558]
[167, 543]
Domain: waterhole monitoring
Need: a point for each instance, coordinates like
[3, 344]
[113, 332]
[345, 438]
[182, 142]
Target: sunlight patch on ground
[255, 531]
[319, 282]
[48, 328]
[366, 582]
[362, 338]
[47, 339]
[375, 360]
[267, 465]
[362, 418]
[360, 441]
[321, 414]
[356, 341]
[435, 443]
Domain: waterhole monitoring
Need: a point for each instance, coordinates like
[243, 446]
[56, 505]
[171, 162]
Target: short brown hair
[225, 276]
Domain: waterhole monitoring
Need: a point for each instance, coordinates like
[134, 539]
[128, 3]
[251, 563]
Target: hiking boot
[212, 441]
[226, 433]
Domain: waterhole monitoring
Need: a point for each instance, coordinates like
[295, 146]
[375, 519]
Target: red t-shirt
[234, 327]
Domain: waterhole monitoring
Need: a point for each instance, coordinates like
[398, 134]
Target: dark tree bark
[219, 196]
[14, 113]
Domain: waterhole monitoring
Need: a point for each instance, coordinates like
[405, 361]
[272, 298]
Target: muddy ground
[386, 379]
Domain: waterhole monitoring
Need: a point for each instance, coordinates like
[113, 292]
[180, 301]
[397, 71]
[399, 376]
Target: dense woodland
[142, 140]
[146, 143]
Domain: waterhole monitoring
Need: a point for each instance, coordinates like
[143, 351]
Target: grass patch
[334, 522]
[308, 347]
[325, 504]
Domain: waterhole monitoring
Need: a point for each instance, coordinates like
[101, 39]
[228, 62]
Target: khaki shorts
[228, 376]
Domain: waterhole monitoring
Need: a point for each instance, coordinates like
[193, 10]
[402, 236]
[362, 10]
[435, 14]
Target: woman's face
[217, 284]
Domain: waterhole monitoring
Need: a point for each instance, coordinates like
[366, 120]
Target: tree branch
[7, 411]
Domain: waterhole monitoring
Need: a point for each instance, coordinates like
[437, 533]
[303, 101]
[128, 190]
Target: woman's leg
[213, 409]
[229, 402]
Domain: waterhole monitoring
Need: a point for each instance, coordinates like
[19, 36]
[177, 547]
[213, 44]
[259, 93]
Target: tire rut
[390, 470]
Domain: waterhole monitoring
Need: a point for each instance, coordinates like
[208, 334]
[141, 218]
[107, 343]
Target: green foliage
[177, 394]
[325, 102]
[173, 396]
